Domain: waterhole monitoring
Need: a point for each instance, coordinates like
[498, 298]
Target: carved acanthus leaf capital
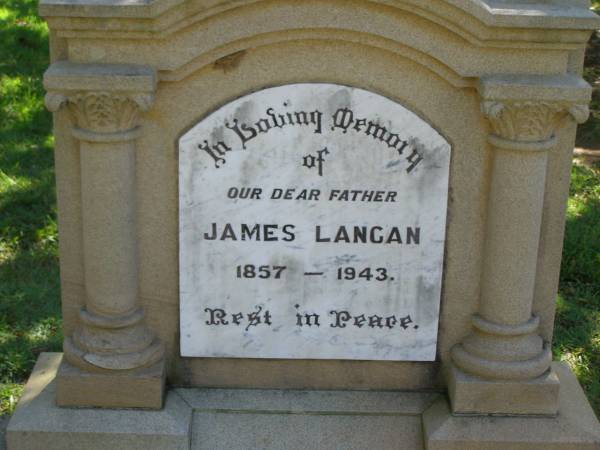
[102, 111]
[530, 121]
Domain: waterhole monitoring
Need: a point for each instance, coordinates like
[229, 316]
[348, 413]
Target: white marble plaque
[312, 225]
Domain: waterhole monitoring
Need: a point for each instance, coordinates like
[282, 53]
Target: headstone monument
[311, 224]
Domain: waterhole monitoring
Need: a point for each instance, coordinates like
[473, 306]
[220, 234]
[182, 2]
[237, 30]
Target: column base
[473, 395]
[143, 388]
[118, 343]
[575, 427]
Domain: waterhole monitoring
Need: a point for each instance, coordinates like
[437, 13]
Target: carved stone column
[503, 367]
[112, 351]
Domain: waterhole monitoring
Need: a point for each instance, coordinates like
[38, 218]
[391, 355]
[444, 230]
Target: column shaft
[513, 229]
[109, 234]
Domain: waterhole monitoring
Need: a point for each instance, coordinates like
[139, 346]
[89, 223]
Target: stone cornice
[545, 14]
[483, 22]
[64, 75]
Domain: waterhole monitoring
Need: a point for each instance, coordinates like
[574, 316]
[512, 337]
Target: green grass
[577, 328]
[577, 335]
[589, 133]
[29, 288]
[29, 284]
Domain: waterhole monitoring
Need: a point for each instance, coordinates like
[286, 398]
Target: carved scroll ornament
[530, 121]
[102, 112]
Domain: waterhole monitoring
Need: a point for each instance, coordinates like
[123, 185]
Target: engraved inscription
[312, 225]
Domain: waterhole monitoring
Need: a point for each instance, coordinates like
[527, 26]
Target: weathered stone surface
[539, 15]
[278, 419]
[223, 419]
[470, 394]
[234, 431]
[271, 419]
[68, 77]
[144, 388]
[309, 402]
[574, 428]
[312, 374]
[39, 424]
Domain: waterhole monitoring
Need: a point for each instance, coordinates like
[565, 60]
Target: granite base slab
[232, 419]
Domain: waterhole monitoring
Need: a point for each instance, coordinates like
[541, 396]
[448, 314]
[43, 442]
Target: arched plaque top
[312, 225]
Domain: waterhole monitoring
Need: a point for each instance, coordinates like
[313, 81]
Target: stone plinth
[38, 423]
[574, 427]
[215, 419]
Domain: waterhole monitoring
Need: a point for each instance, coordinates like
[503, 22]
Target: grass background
[30, 320]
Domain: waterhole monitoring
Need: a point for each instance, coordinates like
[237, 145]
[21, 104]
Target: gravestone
[310, 224]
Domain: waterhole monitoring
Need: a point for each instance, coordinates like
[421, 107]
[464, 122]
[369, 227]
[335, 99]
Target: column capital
[530, 121]
[105, 99]
[524, 111]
